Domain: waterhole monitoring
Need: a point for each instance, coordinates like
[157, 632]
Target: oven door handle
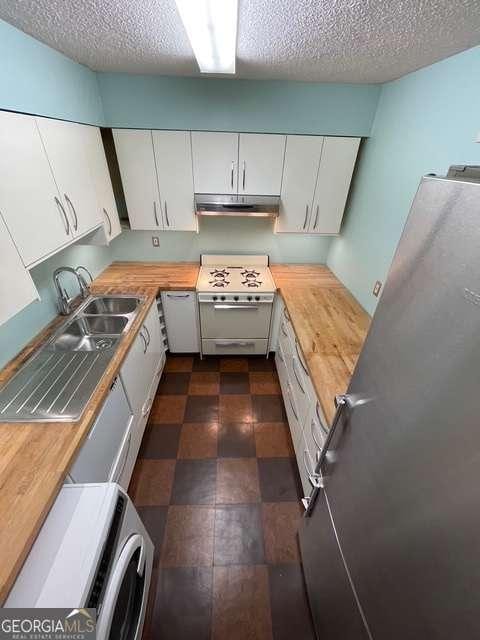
[136, 541]
[236, 343]
[236, 306]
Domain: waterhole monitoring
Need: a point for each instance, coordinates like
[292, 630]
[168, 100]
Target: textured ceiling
[314, 40]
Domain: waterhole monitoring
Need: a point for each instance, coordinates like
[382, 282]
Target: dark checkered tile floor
[218, 490]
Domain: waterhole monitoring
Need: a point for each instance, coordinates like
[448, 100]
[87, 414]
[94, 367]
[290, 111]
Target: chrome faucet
[64, 300]
[84, 286]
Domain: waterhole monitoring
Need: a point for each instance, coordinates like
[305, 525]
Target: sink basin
[90, 333]
[111, 305]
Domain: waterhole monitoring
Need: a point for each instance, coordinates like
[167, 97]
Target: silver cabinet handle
[316, 216]
[178, 295]
[166, 213]
[231, 175]
[148, 334]
[320, 419]
[155, 217]
[312, 429]
[144, 341]
[306, 217]
[301, 359]
[280, 354]
[236, 306]
[296, 375]
[243, 179]
[282, 327]
[75, 224]
[109, 222]
[289, 393]
[63, 215]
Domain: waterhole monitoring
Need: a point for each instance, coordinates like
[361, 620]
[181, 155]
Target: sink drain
[103, 343]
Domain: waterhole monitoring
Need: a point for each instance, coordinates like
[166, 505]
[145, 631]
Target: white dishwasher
[104, 452]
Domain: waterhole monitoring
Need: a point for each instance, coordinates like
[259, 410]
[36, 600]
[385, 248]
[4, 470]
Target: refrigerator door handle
[341, 402]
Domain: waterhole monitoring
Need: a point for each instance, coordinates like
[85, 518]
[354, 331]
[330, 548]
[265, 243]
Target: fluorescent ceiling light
[211, 26]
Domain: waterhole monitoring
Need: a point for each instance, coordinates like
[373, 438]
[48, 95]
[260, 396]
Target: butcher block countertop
[329, 324]
[36, 457]
[132, 276]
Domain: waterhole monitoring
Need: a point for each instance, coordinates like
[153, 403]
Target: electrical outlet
[376, 288]
[155, 241]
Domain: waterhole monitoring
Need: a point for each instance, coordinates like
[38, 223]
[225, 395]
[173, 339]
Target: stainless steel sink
[111, 305]
[59, 379]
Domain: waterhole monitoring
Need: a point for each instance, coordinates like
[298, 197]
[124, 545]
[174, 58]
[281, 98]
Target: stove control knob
[249, 297]
[257, 298]
[235, 297]
[222, 297]
[214, 298]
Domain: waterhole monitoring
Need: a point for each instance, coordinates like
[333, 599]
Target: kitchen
[196, 433]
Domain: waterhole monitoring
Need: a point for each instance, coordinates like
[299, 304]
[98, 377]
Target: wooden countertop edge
[16, 484]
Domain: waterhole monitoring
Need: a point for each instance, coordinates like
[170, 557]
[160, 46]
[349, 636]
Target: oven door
[237, 321]
[123, 608]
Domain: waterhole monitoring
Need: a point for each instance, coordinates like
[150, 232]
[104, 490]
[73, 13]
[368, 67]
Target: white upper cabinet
[215, 162]
[67, 150]
[333, 183]
[136, 160]
[30, 202]
[260, 164]
[102, 182]
[173, 159]
[17, 289]
[302, 157]
[316, 181]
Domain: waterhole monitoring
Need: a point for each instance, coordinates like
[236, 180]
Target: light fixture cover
[211, 27]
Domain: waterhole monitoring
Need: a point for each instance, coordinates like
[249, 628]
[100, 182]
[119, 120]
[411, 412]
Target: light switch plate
[376, 288]
[155, 241]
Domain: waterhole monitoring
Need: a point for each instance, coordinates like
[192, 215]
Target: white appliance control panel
[236, 298]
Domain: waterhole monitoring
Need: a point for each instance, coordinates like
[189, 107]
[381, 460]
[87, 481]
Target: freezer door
[403, 482]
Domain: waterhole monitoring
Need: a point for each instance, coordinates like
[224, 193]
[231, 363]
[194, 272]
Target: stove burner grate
[250, 274]
[219, 283]
[251, 283]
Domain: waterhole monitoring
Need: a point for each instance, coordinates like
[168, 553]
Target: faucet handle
[84, 287]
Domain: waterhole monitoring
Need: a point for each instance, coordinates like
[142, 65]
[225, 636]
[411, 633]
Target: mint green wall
[425, 122]
[221, 235]
[37, 79]
[237, 105]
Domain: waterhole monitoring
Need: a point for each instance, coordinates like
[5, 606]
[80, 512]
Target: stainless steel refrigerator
[391, 543]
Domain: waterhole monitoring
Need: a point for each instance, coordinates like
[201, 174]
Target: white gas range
[235, 295]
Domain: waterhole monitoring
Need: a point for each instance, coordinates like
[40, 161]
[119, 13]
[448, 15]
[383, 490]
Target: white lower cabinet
[181, 320]
[305, 417]
[140, 374]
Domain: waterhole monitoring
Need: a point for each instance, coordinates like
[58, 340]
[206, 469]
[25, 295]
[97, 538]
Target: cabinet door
[16, 284]
[181, 319]
[333, 183]
[102, 182]
[67, 150]
[302, 157]
[173, 159]
[215, 162]
[139, 178]
[155, 347]
[29, 200]
[260, 164]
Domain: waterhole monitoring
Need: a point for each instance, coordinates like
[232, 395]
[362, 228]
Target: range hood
[207, 204]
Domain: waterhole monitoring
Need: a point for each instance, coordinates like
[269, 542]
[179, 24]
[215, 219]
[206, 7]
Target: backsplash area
[20, 329]
[221, 235]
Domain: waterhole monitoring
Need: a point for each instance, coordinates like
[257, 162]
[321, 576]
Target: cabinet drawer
[237, 347]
